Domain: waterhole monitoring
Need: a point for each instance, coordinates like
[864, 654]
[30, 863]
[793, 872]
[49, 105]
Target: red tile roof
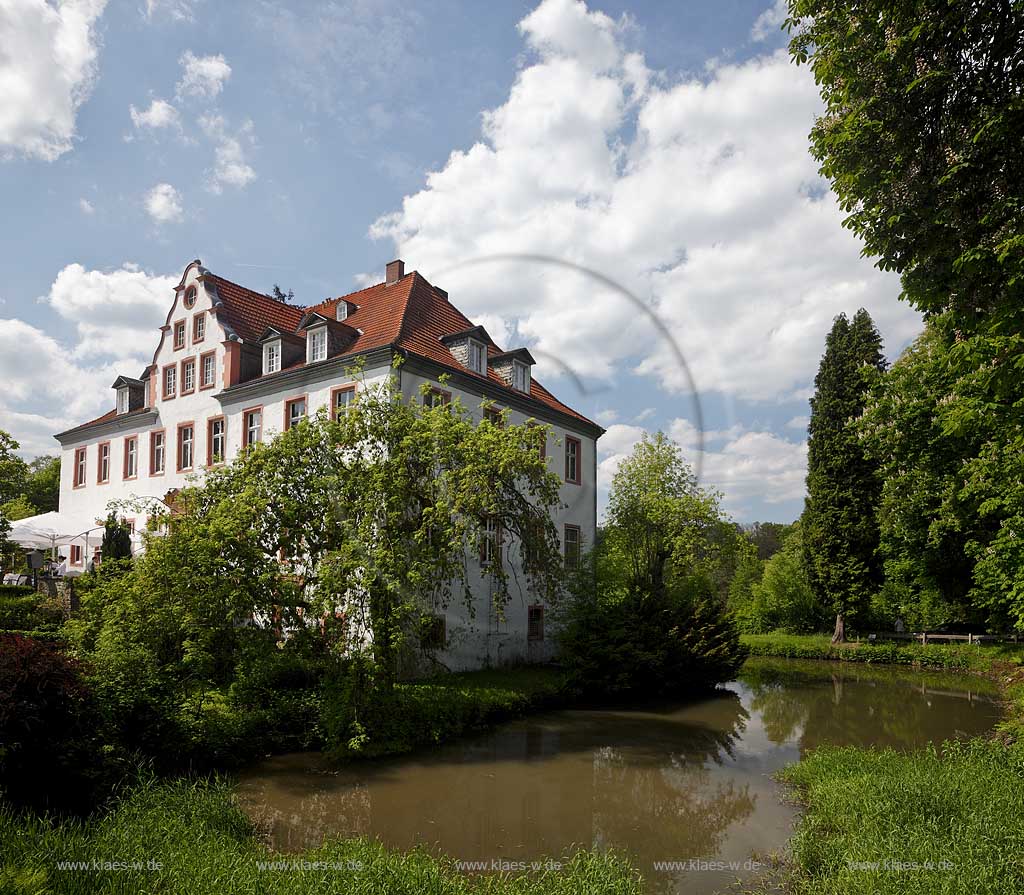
[249, 313]
[409, 314]
[413, 316]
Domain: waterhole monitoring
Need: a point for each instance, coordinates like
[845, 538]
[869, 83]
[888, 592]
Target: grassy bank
[947, 819]
[959, 657]
[191, 838]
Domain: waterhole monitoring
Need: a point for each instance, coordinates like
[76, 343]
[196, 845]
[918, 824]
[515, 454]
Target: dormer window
[271, 357]
[477, 357]
[341, 312]
[122, 400]
[316, 345]
[520, 377]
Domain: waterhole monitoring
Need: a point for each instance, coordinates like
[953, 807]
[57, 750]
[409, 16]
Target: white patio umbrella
[43, 532]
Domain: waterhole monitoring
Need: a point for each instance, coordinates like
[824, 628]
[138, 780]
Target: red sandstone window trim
[174, 333]
[334, 397]
[152, 452]
[80, 472]
[168, 395]
[178, 444]
[130, 439]
[100, 480]
[196, 337]
[202, 367]
[186, 363]
[288, 410]
[258, 408]
[209, 440]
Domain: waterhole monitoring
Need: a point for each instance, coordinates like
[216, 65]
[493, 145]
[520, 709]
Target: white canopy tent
[49, 531]
[43, 532]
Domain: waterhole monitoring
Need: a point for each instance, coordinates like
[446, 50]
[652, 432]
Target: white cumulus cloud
[160, 114]
[230, 165]
[163, 204]
[47, 69]
[202, 76]
[50, 384]
[697, 195]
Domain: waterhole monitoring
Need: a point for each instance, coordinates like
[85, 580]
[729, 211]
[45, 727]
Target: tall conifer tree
[839, 523]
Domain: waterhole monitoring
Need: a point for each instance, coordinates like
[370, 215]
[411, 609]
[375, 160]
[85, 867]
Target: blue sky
[661, 144]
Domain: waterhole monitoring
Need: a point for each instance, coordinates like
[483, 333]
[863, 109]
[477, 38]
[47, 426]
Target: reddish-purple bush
[48, 745]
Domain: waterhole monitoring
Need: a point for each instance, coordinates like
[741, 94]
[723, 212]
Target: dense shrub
[363, 717]
[15, 590]
[49, 753]
[22, 609]
[648, 644]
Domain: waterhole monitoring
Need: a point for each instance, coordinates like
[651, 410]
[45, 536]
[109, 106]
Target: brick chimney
[394, 271]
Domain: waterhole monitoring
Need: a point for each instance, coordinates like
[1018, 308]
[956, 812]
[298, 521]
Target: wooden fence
[926, 637]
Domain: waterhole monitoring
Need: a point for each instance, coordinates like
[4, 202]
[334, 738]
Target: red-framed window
[252, 426]
[170, 381]
[76, 554]
[157, 452]
[190, 297]
[573, 459]
[198, 328]
[436, 397]
[179, 334]
[103, 462]
[208, 369]
[294, 411]
[186, 446]
[494, 416]
[130, 469]
[341, 399]
[216, 440]
[80, 467]
[188, 376]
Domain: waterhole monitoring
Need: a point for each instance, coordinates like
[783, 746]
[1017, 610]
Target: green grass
[957, 812]
[204, 844]
[959, 657]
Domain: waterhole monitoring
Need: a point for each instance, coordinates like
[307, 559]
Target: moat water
[684, 790]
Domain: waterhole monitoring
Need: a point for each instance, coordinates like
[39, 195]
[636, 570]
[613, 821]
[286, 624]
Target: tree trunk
[839, 636]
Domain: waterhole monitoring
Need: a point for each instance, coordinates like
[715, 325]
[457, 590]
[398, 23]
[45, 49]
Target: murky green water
[689, 785]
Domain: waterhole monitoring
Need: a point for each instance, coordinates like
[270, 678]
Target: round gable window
[190, 297]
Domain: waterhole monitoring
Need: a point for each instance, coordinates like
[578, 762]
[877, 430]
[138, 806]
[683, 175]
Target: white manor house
[233, 367]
